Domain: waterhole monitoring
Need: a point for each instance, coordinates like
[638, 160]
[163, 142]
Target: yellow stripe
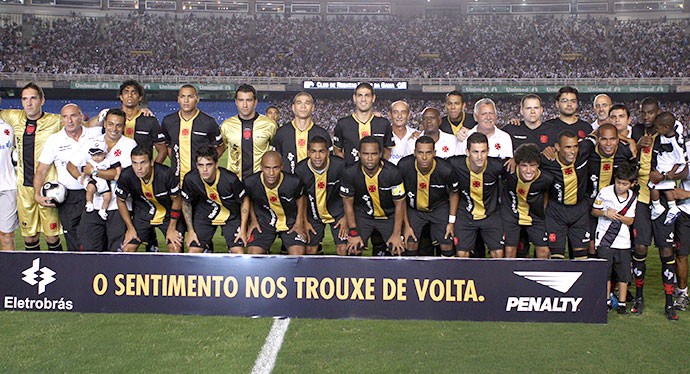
[212, 193]
[605, 170]
[373, 189]
[130, 126]
[522, 192]
[276, 206]
[645, 168]
[477, 191]
[364, 127]
[185, 140]
[320, 187]
[147, 189]
[423, 182]
[301, 139]
[570, 183]
[459, 126]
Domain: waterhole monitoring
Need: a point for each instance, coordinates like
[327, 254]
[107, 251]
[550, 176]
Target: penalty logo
[560, 281]
[36, 272]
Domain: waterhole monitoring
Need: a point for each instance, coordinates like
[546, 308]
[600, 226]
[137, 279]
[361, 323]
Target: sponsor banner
[350, 86]
[437, 89]
[307, 287]
[554, 89]
[150, 86]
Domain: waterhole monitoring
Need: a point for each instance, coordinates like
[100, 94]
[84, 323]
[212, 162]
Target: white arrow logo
[560, 281]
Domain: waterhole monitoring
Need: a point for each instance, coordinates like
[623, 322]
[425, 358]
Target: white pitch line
[267, 358]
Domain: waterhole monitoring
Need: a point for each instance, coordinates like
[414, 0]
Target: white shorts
[663, 185]
[8, 214]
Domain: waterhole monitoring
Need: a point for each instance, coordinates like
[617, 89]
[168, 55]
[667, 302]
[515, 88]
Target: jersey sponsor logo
[561, 281]
[288, 199]
[199, 133]
[519, 137]
[36, 272]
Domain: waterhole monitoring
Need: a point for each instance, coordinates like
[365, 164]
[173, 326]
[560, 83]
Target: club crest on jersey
[30, 129]
[544, 139]
[246, 134]
[185, 132]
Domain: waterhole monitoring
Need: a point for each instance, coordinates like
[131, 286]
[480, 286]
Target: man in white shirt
[95, 234]
[500, 143]
[59, 149]
[8, 188]
[601, 106]
[400, 115]
[446, 145]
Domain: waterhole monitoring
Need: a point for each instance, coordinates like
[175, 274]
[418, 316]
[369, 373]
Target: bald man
[278, 208]
[58, 150]
[399, 114]
[601, 105]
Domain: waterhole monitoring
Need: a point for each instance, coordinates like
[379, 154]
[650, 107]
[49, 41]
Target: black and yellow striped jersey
[426, 192]
[523, 202]
[218, 202]
[349, 130]
[374, 196]
[146, 131]
[184, 138]
[292, 143]
[247, 141]
[323, 189]
[602, 169]
[478, 191]
[29, 139]
[275, 207]
[152, 200]
[466, 121]
[569, 185]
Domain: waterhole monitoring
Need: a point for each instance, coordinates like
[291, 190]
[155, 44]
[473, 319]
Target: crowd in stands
[470, 47]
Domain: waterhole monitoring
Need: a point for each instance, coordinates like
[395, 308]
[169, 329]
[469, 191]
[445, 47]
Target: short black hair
[317, 139]
[142, 150]
[456, 93]
[649, 101]
[366, 85]
[424, 139]
[477, 138]
[116, 112]
[370, 139]
[34, 86]
[565, 90]
[626, 171]
[246, 88]
[207, 151]
[528, 152]
[131, 82]
[566, 134]
[189, 86]
[619, 107]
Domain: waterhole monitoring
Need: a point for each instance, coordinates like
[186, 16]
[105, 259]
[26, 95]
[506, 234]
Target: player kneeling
[615, 208]
[278, 208]
[156, 201]
[214, 196]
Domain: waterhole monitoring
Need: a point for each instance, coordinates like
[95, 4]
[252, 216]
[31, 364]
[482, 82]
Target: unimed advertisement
[307, 287]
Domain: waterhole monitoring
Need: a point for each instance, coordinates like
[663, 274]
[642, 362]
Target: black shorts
[367, 225]
[146, 230]
[265, 239]
[683, 234]
[619, 263]
[663, 234]
[205, 232]
[642, 225]
[320, 227]
[490, 229]
[437, 221]
[567, 224]
[97, 235]
[535, 233]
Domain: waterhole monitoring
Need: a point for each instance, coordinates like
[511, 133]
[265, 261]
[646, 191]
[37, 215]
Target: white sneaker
[673, 213]
[103, 213]
[89, 207]
[657, 211]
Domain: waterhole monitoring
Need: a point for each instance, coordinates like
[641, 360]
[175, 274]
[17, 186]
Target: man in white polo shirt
[8, 188]
[95, 234]
[500, 143]
[59, 150]
[445, 144]
[400, 115]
